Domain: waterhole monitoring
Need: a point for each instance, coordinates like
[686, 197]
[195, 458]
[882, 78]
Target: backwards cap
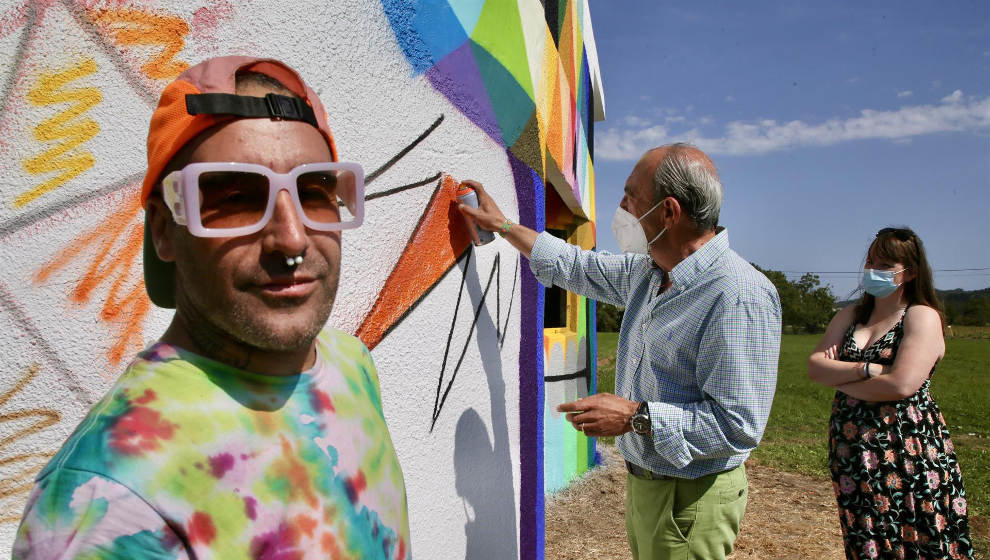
[180, 118]
[201, 97]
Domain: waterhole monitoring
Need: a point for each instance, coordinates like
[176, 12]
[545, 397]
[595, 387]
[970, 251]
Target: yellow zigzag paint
[65, 126]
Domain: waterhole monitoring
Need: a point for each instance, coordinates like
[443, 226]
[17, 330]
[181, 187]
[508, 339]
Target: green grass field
[607, 342]
[796, 435]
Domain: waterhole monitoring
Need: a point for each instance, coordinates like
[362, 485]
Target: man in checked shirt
[697, 355]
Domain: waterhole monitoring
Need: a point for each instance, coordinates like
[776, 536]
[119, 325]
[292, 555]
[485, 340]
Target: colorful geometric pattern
[79, 81]
[521, 72]
[526, 73]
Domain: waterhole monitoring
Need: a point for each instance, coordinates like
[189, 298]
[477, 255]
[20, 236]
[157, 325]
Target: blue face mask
[880, 283]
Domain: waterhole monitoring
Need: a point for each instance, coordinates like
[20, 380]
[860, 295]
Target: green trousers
[682, 519]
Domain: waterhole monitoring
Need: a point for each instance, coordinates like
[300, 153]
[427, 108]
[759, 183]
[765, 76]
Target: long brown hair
[902, 245]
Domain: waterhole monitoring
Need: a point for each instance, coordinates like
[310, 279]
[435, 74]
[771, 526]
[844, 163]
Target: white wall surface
[56, 342]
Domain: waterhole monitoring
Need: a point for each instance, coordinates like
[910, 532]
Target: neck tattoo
[210, 341]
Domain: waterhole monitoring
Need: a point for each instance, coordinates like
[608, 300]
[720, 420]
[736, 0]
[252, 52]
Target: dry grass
[788, 516]
[587, 519]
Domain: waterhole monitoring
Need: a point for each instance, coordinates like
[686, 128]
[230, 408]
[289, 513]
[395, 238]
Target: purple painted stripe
[530, 194]
[458, 78]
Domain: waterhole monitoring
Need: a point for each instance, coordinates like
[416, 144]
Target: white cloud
[730, 99]
[954, 97]
[954, 113]
[905, 93]
[633, 120]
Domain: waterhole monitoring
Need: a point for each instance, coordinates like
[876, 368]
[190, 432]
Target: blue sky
[827, 121]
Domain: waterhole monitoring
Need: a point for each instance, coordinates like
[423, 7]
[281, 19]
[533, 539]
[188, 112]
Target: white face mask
[629, 232]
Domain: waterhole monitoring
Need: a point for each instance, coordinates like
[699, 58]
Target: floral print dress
[897, 483]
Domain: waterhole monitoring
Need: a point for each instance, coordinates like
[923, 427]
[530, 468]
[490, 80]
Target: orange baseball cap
[199, 98]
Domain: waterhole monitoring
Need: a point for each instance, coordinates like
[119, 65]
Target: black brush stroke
[512, 297]
[402, 153]
[498, 303]
[437, 405]
[389, 192]
[439, 401]
[568, 376]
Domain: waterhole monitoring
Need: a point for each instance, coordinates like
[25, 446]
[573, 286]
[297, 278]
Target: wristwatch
[640, 421]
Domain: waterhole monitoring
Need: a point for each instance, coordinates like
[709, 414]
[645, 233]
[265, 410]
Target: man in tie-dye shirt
[249, 430]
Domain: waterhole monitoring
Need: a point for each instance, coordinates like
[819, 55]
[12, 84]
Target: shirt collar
[688, 270]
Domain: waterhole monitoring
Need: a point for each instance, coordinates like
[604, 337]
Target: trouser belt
[640, 472]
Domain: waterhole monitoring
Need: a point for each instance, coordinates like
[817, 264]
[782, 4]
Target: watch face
[640, 423]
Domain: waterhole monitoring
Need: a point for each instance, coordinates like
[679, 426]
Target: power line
[860, 271]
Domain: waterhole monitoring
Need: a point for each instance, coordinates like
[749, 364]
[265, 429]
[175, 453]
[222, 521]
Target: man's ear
[161, 225]
[672, 210]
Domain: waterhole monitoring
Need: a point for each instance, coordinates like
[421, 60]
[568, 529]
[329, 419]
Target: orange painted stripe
[117, 242]
[133, 27]
[439, 239]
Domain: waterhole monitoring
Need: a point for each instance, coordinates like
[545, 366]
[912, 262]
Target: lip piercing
[294, 261]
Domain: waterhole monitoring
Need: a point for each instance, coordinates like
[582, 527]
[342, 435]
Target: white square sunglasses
[228, 199]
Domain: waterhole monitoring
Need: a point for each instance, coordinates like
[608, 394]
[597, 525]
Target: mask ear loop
[905, 269]
[640, 219]
[663, 231]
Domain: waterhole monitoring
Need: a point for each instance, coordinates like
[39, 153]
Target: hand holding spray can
[467, 197]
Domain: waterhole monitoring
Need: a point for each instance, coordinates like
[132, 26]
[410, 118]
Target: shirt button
[644, 325]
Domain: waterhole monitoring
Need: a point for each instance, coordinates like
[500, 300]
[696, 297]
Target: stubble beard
[264, 333]
[232, 335]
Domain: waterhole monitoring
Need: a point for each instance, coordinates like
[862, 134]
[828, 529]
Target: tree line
[964, 307]
[808, 306]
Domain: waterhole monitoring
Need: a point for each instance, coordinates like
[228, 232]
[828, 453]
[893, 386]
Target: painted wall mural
[527, 75]
[422, 94]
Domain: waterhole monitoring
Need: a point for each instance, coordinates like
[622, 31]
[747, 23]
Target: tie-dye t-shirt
[189, 458]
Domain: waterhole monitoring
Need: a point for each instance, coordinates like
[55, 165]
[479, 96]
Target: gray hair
[693, 181]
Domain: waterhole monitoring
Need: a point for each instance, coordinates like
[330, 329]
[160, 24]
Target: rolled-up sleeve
[600, 276]
[737, 371]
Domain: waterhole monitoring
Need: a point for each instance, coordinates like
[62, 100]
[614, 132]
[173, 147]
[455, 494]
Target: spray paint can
[467, 197]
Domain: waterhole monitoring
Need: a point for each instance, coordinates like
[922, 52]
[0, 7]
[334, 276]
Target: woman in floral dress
[897, 483]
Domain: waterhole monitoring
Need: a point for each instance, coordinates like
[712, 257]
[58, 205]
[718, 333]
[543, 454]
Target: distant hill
[961, 295]
[966, 307]
[962, 307]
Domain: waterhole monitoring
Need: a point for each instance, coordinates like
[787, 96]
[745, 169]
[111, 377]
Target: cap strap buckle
[271, 105]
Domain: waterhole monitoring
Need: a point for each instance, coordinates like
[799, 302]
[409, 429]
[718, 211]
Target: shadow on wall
[483, 469]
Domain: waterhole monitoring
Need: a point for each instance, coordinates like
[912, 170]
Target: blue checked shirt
[703, 353]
